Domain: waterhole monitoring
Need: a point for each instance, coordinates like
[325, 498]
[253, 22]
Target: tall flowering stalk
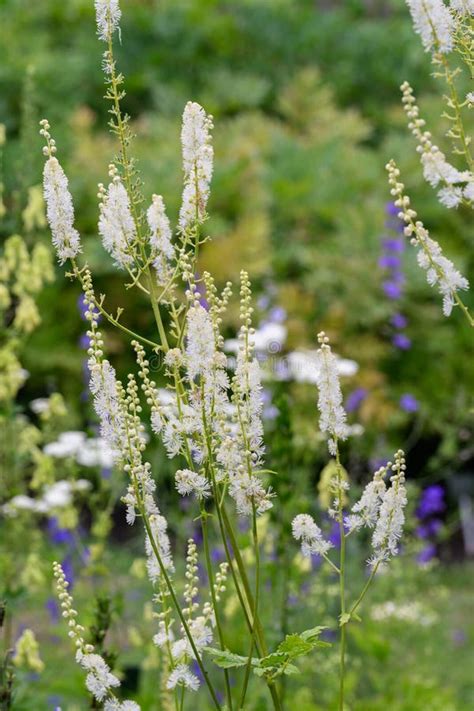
[444, 31]
[379, 508]
[208, 418]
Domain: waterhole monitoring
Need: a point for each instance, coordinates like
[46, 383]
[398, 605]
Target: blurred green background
[306, 105]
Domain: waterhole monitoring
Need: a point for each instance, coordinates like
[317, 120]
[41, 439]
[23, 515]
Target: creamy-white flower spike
[434, 23]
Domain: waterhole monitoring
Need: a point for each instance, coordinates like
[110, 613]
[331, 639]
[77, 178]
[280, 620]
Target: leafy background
[305, 98]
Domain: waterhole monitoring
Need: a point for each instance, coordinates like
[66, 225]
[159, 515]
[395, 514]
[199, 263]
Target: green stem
[210, 577]
[364, 589]
[177, 606]
[342, 582]
[257, 597]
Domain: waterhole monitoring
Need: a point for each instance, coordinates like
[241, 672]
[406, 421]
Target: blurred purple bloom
[429, 529]
[392, 290]
[389, 261]
[263, 302]
[355, 399]
[459, 637]
[427, 554]
[391, 209]
[60, 536]
[68, 570]
[409, 403]
[399, 321]
[84, 341]
[393, 244]
[431, 501]
[217, 554]
[277, 315]
[335, 535]
[401, 341]
[53, 609]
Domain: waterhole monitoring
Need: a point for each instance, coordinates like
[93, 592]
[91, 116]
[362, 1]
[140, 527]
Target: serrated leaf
[294, 646]
[227, 660]
[344, 619]
[272, 660]
[312, 634]
[290, 669]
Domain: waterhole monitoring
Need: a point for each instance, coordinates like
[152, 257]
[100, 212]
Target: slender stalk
[176, 604]
[364, 589]
[256, 602]
[210, 577]
[342, 582]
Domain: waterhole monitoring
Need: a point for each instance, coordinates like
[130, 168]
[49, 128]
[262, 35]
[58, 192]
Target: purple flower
[335, 535]
[392, 290]
[409, 403]
[277, 315]
[429, 529]
[393, 244]
[217, 554]
[401, 341]
[60, 536]
[389, 261]
[427, 554]
[391, 209]
[68, 570]
[53, 609]
[355, 399]
[431, 501]
[399, 321]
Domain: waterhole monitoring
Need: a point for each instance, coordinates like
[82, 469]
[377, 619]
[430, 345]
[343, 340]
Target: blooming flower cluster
[100, 681]
[207, 415]
[458, 186]
[332, 414]
[60, 210]
[434, 23]
[197, 164]
[440, 271]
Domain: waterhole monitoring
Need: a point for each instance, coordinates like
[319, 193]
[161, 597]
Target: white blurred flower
[96, 452]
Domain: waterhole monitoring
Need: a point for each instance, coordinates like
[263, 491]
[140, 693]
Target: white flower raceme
[116, 224]
[308, 532]
[99, 679]
[103, 386]
[248, 492]
[60, 211]
[332, 414]
[469, 191]
[365, 512]
[189, 482]
[108, 16]
[158, 526]
[434, 23]
[450, 196]
[436, 168]
[440, 271]
[389, 526]
[160, 239]
[249, 380]
[183, 676]
[200, 345]
[464, 7]
[114, 704]
[197, 164]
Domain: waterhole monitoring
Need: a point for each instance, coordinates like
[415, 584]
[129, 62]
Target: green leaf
[312, 634]
[344, 619]
[226, 660]
[294, 646]
[272, 660]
